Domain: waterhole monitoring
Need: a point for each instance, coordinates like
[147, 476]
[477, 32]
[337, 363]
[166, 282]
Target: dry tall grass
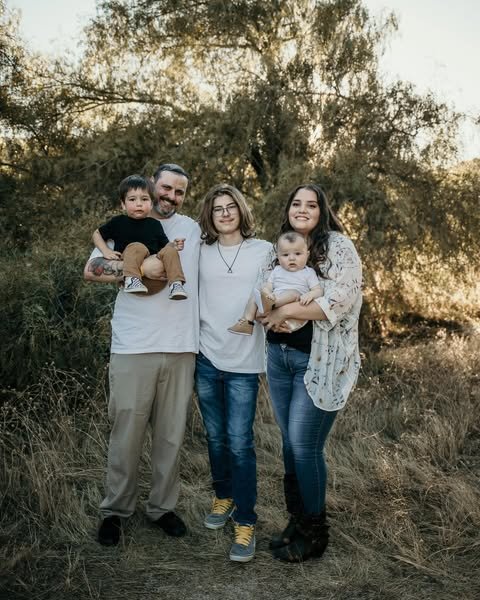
[404, 495]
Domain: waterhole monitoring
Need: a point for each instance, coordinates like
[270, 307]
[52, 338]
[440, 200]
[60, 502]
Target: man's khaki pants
[146, 389]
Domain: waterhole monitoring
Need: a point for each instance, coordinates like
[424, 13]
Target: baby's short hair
[291, 236]
[136, 182]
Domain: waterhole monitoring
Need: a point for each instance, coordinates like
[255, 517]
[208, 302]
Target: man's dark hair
[135, 182]
[173, 168]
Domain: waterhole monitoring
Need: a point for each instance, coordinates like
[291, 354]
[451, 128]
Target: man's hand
[179, 244]
[112, 255]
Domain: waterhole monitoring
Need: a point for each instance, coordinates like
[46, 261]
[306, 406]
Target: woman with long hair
[312, 370]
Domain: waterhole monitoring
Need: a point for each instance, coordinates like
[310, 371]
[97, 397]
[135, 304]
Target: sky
[436, 46]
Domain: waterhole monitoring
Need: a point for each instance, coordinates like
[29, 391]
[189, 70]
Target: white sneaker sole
[243, 559]
[136, 291]
[219, 525]
[212, 526]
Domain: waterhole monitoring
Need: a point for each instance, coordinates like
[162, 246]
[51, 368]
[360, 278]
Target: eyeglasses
[230, 208]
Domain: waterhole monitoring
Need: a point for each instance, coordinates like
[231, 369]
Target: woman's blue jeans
[303, 425]
[228, 402]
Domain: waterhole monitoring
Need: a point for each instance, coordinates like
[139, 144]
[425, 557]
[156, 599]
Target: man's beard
[165, 212]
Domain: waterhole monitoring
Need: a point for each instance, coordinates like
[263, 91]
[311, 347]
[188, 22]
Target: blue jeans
[303, 425]
[228, 402]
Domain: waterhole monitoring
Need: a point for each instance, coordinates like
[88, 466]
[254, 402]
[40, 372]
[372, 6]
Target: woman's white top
[335, 358]
[223, 297]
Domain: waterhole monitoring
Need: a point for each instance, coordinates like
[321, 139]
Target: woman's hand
[153, 268]
[275, 320]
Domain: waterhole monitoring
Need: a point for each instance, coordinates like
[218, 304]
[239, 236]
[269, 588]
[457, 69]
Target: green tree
[263, 94]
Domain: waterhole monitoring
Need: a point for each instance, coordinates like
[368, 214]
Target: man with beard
[152, 363]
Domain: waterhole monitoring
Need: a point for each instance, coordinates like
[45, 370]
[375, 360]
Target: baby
[290, 281]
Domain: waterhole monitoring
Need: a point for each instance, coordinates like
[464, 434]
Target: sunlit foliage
[262, 94]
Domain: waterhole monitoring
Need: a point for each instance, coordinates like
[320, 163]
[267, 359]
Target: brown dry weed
[403, 496]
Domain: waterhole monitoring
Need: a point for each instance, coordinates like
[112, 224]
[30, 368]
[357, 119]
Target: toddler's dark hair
[135, 182]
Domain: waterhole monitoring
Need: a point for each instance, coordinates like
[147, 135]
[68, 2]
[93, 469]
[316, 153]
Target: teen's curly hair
[327, 222]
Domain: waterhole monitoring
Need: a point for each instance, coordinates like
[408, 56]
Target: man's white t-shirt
[142, 324]
[223, 297]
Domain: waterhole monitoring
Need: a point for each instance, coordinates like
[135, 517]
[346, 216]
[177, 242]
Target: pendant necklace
[229, 266]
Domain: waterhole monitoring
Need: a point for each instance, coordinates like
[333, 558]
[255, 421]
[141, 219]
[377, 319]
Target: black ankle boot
[278, 540]
[294, 502]
[309, 540]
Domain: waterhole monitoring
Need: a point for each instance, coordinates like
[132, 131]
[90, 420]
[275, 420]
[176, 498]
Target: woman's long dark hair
[327, 222]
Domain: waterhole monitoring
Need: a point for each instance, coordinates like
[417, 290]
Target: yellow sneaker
[243, 547]
[222, 509]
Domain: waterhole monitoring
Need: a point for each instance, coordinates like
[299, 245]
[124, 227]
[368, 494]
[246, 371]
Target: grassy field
[403, 497]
